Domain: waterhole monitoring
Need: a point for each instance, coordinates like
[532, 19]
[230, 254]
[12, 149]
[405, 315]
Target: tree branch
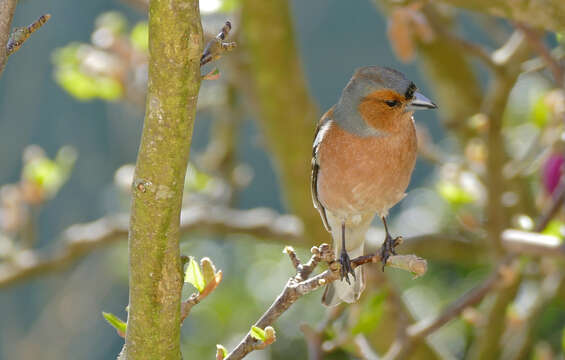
[81, 239]
[156, 278]
[535, 40]
[532, 244]
[299, 286]
[20, 35]
[7, 9]
[548, 15]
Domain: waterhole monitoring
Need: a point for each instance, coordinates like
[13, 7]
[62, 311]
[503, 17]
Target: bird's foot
[387, 250]
[346, 268]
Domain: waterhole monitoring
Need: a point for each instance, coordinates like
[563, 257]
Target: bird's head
[376, 99]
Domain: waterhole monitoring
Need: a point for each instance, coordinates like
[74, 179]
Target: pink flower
[552, 170]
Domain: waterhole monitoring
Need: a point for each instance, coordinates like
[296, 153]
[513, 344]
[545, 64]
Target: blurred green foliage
[70, 76]
[454, 194]
[371, 313]
[140, 36]
[50, 175]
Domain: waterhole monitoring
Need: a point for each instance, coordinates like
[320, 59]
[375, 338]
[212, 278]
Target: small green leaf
[258, 333]
[221, 348]
[212, 75]
[193, 275]
[116, 322]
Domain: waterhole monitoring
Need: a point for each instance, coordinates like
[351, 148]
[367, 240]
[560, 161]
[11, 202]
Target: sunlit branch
[301, 285]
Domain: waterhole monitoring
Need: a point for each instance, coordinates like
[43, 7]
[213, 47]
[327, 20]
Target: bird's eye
[392, 103]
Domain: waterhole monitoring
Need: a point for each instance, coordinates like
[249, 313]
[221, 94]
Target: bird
[363, 155]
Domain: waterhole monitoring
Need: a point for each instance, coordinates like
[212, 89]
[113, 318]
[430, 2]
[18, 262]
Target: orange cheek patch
[377, 113]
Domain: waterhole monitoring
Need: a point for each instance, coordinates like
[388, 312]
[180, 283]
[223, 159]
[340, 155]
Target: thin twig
[520, 338]
[20, 35]
[296, 287]
[196, 298]
[473, 49]
[532, 243]
[511, 52]
[538, 64]
[535, 40]
[217, 47]
[554, 207]
[364, 348]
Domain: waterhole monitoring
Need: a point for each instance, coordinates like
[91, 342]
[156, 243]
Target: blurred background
[72, 107]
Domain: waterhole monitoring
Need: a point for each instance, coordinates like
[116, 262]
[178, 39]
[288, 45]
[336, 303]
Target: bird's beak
[420, 102]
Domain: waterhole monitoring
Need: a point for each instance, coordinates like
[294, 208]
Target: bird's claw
[346, 268]
[387, 250]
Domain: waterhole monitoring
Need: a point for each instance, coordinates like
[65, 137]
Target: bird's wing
[318, 136]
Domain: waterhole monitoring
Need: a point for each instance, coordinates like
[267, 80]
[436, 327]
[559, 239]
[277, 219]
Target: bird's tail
[340, 290]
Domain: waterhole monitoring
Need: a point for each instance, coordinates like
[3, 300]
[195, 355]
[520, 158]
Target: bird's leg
[388, 246]
[344, 260]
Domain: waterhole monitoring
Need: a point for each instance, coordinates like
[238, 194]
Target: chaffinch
[363, 155]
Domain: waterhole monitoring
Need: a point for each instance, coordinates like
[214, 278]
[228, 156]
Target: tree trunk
[175, 45]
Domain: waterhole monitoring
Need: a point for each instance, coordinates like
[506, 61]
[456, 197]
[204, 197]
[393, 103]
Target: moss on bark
[175, 45]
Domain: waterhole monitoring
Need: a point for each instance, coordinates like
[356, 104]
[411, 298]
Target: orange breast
[365, 174]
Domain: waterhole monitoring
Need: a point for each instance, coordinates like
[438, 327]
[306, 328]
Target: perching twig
[216, 47]
[20, 35]
[298, 286]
